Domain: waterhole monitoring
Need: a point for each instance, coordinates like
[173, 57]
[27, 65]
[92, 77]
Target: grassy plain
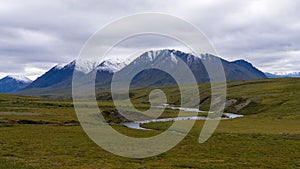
[44, 133]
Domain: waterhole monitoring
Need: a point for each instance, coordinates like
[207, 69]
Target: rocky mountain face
[59, 78]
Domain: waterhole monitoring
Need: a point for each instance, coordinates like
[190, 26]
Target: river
[137, 124]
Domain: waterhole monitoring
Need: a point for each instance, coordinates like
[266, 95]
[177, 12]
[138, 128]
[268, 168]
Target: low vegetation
[44, 133]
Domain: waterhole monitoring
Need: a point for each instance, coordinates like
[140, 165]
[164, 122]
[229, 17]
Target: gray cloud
[36, 35]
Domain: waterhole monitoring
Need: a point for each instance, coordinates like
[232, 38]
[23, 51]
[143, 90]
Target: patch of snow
[107, 64]
[112, 65]
[150, 55]
[291, 74]
[280, 73]
[60, 66]
[116, 64]
[173, 58]
[20, 78]
[85, 66]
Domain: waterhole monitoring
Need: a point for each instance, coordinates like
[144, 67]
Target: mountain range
[13, 83]
[283, 75]
[58, 79]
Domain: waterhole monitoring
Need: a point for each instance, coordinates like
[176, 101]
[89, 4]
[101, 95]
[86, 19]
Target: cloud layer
[36, 35]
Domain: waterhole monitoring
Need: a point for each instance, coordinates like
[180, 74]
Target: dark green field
[44, 133]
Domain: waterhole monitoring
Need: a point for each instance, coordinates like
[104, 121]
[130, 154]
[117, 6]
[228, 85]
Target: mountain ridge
[60, 77]
[12, 83]
[281, 75]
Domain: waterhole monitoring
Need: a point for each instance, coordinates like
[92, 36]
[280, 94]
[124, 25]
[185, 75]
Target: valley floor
[268, 136]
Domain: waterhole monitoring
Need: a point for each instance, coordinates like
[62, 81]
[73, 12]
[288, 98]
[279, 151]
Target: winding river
[137, 124]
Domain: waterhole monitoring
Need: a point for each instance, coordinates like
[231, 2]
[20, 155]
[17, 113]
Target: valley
[45, 133]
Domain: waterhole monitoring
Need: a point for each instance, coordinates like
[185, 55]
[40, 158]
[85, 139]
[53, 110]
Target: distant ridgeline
[13, 83]
[58, 80]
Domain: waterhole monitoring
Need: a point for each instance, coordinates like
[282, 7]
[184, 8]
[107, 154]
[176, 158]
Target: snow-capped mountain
[283, 75]
[20, 78]
[84, 66]
[111, 66]
[59, 78]
[13, 83]
[294, 74]
[236, 70]
[87, 66]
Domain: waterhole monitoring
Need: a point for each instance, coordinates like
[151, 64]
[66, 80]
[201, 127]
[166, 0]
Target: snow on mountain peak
[112, 65]
[287, 73]
[150, 55]
[86, 66]
[60, 66]
[115, 64]
[20, 78]
[284, 73]
[153, 54]
[173, 58]
[171, 54]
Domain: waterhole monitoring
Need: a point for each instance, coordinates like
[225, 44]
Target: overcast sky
[36, 35]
